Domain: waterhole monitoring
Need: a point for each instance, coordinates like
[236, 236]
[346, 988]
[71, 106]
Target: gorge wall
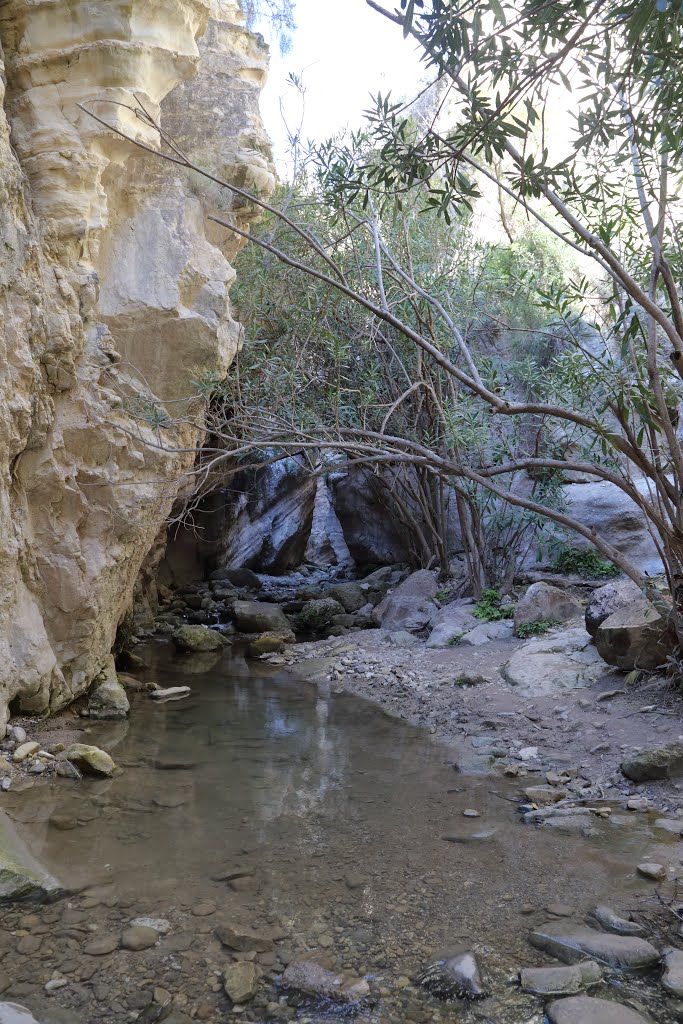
[113, 296]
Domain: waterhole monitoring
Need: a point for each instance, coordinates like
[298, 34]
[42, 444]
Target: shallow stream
[330, 817]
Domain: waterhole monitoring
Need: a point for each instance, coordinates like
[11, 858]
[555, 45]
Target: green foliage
[490, 607]
[455, 639]
[537, 628]
[585, 563]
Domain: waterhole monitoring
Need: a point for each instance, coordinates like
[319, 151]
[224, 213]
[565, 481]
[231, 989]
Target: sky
[345, 52]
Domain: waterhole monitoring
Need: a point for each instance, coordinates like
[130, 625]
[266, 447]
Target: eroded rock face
[112, 297]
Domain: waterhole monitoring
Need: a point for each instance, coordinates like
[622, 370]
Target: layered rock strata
[113, 304]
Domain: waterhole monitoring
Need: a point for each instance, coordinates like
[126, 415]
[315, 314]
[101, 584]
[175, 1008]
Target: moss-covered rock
[193, 639]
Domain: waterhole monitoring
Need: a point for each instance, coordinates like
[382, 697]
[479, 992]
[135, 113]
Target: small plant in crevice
[455, 639]
[587, 564]
[537, 628]
[490, 607]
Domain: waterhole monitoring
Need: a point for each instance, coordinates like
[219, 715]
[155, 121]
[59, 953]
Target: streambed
[315, 821]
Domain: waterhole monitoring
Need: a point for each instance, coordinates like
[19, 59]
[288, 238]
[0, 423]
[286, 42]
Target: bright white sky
[346, 51]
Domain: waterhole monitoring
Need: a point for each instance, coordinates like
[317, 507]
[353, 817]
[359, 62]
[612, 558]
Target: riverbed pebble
[138, 937]
[25, 750]
[655, 872]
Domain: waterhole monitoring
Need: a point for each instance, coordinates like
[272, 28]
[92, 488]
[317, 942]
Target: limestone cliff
[112, 295]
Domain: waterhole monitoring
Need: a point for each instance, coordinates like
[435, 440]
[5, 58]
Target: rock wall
[113, 297]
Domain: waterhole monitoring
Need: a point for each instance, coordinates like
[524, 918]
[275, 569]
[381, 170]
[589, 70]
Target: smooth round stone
[139, 937]
[25, 750]
[204, 909]
[655, 872]
[586, 1010]
[101, 945]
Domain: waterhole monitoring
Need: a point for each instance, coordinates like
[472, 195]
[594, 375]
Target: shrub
[489, 607]
[587, 564]
[537, 628]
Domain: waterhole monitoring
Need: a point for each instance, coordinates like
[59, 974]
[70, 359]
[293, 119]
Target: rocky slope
[113, 298]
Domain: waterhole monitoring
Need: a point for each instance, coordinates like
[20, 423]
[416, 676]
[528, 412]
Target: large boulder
[658, 763]
[603, 507]
[451, 623]
[260, 617]
[551, 664]
[237, 578]
[545, 602]
[411, 605]
[316, 615]
[352, 596]
[195, 639]
[608, 600]
[635, 636]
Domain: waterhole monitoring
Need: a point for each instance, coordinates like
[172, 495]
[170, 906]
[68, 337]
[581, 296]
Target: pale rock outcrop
[113, 299]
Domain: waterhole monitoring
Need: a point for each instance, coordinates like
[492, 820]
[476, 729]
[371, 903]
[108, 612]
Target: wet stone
[672, 979]
[139, 937]
[560, 981]
[241, 981]
[610, 920]
[101, 945]
[585, 1010]
[569, 943]
[456, 977]
[243, 939]
[655, 872]
[29, 944]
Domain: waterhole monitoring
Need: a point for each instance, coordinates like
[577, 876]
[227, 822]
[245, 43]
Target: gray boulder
[543, 601]
[635, 636]
[193, 639]
[485, 632]
[318, 614]
[260, 617]
[586, 1010]
[550, 664]
[602, 506]
[664, 762]
[607, 600]
[350, 595]
[237, 578]
[411, 605]
[571, 942]
[451, 623]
